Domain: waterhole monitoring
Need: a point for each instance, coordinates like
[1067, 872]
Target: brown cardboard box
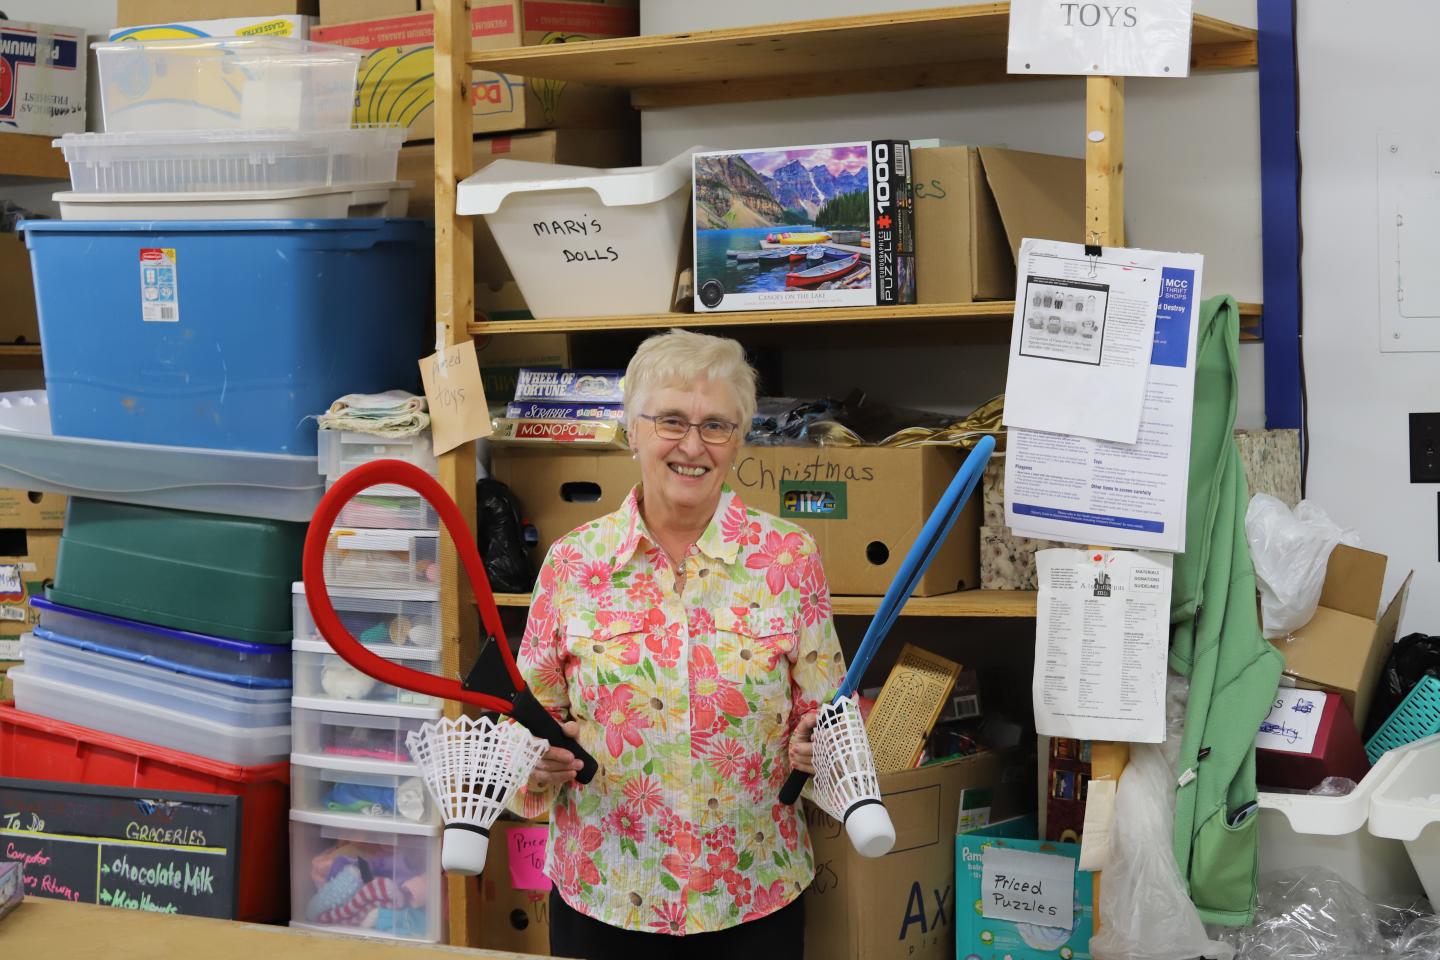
[396, 82]
[19, 323]
[560, 489]
[31, 564]
[585, 148]
[135, 13]
[7, 690]
[973, 206]
[1344, 646]
[31, 509]
[355, 11]
[511, 918]
[903, 904]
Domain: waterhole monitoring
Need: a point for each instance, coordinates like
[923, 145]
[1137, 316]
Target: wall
[1364, 67]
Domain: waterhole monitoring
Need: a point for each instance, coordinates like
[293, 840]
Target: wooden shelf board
[949, 46]
[969, 603]
[31, 155]
[19, 350]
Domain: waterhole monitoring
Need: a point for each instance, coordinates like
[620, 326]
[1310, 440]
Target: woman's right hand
[557, 765]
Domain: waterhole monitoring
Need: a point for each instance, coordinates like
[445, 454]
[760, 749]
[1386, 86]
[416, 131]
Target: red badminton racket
[494, 682]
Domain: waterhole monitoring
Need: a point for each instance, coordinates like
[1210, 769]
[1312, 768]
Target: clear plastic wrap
[1291, 553]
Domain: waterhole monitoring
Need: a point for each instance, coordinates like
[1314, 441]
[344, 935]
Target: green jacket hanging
[1216, 642]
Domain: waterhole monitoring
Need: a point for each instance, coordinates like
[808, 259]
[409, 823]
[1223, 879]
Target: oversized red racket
[494, 682]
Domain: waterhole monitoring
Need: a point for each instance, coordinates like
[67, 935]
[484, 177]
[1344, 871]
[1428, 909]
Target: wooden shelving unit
[31, 155]
[969, 603]
[19, 355]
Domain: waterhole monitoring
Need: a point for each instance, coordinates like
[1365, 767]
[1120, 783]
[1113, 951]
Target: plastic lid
[389, 651]
[383, 135]
[355, 821]
[267, 46]
[160, 663]
[383, 594]
[354, 764]
[226, 196]
[484, 191]
[222, 643]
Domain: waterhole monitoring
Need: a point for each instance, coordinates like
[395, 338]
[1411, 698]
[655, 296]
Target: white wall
[1364, 67]
[1192, 177]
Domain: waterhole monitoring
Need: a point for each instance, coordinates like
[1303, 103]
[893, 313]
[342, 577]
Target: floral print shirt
[687, 701]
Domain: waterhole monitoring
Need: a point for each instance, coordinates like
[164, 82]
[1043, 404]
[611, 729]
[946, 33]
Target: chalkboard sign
[136, 849]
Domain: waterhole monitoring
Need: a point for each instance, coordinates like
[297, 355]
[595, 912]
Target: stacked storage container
[365, 834]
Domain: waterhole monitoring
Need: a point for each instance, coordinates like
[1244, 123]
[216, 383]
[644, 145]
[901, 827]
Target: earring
[635, 456]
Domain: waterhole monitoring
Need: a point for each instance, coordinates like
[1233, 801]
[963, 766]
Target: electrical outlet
[1425, 448]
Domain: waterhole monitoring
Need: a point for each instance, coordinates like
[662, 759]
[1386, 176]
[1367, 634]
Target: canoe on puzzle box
[218, 575]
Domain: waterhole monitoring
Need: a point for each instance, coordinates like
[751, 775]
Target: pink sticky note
[527, 858]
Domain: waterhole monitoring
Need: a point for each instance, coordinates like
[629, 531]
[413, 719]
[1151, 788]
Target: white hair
[682, 358]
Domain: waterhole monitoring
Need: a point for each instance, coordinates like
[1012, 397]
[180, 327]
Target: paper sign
[1118, 38]
[1036, 888]
[1293, 721]
[526, 854]
[458, 411]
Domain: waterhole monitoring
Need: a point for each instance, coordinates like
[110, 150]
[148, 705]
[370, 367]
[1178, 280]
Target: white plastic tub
[385, 793]
[348, 876]
[1299, 830]
[586, 241]
[390, 199]
[1406, 807]
[382, 559]
[321, 674]
[357, 730]
[226, 83]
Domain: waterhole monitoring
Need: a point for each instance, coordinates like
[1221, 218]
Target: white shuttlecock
[845, 784]
[473, 768]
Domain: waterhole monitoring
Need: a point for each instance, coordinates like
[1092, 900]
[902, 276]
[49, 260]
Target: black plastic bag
[1412, 659]
[499, 535]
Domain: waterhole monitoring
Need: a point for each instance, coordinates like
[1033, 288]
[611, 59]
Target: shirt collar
[714, 542]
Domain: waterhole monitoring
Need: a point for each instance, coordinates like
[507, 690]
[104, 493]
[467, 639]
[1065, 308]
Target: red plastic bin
[39, 748]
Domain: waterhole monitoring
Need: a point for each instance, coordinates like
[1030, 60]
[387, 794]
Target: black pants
[780, 934]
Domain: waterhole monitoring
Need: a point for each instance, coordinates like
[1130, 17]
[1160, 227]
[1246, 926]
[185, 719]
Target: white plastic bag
[1290, 551]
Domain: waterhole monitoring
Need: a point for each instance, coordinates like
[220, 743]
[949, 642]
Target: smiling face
[683, 477]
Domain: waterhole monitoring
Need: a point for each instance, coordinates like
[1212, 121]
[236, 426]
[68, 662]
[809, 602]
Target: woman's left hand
[802, 750]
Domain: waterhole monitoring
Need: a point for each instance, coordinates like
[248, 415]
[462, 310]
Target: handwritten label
[570, 231]
[458, 411]
[527, 857]
[1026, 887]
[1293, 721]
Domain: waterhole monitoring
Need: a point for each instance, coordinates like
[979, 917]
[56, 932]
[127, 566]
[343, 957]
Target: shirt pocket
[610, 654]
[756, 648]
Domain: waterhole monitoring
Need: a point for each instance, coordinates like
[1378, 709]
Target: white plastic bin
[341, 451]
[401, 618]
[382, 792]
[1406, 807]
[390, 199]
[382, 559]
[346, 876]
[585, 241]
[217, 161]
[321, 674]
[366, 731]
[226, 83]
[100, 710]
[388, 507]
[1299, 830]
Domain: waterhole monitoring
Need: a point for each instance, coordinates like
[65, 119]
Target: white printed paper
[1293, 721]
[159, 285]
[1027, 887]
[1102, 632]
[1079, 490]
[1150, 39]
[1081, 339]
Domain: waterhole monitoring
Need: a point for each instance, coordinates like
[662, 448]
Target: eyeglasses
[678, 428]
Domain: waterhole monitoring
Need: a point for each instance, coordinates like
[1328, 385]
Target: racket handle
[532, 715]
[794, 783]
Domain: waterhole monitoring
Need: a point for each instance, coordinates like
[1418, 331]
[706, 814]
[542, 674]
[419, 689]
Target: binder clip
[1093, 253]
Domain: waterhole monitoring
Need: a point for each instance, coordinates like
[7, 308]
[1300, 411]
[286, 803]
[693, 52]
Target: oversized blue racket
[917, 561]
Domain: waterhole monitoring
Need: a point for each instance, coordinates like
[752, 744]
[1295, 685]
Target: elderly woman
[686, 639]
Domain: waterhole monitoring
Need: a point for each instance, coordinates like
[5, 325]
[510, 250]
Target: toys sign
[1121, 38]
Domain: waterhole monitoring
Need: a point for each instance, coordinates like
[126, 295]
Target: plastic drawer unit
[366, 731]
[382, 559]
[375, 789]
[341, 451]
[320, 674]
[391, 618]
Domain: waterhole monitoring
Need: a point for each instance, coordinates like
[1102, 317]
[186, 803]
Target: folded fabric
[394, 413]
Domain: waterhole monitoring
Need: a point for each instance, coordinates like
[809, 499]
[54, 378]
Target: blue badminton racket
[917, 561]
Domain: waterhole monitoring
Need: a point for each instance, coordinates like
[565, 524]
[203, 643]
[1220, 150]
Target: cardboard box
[973, 206]
[903, 904]
[583, 148]
[515, 898]
[355, 11]
[396, 83]
[135, 13]
[560, 489]
[19, 322]
[42, 78]
[1344, 646]
[31, 510]
[7, 689]
[281, 25]
[24, 573]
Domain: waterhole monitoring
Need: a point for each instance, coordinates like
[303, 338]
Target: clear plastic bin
[321, 674]
[210, 161]
[390, 199]
[393, 559]
[346, 876]
[216, 658]
[102, 710]
[388, 508]
[226, 83]
[400, 618]
[366, 731]
[149, 686]
[373, 789]
[341, 451]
